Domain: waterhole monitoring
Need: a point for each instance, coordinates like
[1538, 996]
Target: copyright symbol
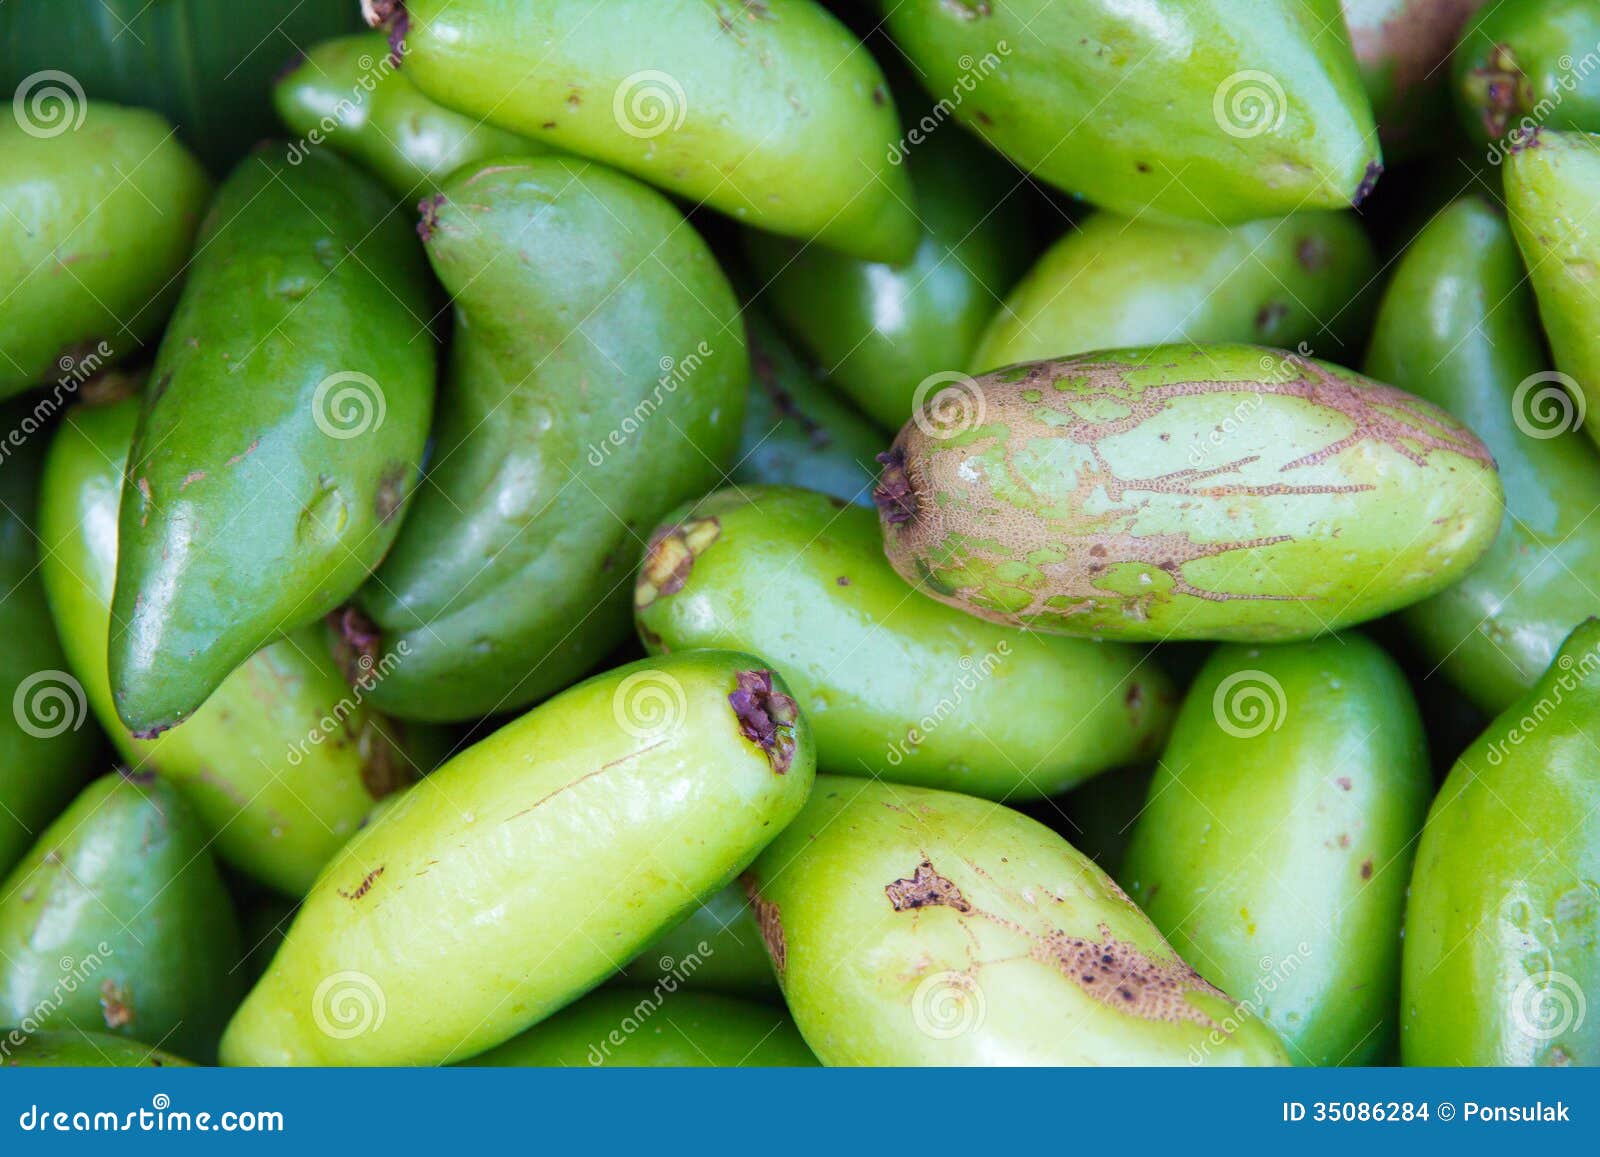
[1447, 1111]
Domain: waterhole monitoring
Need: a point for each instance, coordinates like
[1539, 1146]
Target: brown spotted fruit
[1225, 492]
[533, 865]
[918, 927]
[894, 684]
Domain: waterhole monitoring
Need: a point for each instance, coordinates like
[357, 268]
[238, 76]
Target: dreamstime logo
[948, 404]
[673, 974]
[1249, 703]
[1548, 1004]
[649, 103]
[348, 1004]
[74, 974]
[1560, 679]
[348, 404]
[49, 103]
[648, 704]
[674, 372]
[1249, 103]
[972, 71]
[350, 110]
[49, 703]
[948, 1004]
[1548, 404]
[973, 673]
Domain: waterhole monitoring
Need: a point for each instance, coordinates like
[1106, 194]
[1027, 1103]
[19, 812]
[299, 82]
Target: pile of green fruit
[717, 532]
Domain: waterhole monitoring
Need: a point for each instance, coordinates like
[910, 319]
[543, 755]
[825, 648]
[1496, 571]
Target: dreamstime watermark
[373, 72]
[649, 103]
[74, 973]
[1249, 103]
[972, 71]
[49, 703]
[74, 370]
[1273, 974]
[369, 675]
[1548, 404]
[1249, 703]
[948, 1004]
[348, 404]
[1570, 677]
[1549, 1004]
[674, 372]
[49, 103]
[348, 1004]
[649, 704]
[973, 674]
[948, 404]
[673, 973]
[1512, 136]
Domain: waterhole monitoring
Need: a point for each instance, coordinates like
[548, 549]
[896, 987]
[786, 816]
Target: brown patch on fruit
[1119, 975]
[385, 769]
[1500, 89]
[767, 717]
[116, 1004]
[428, 216]
[1366, 868]
[894, 495]
[782, 400]
[1369, 182]
[1412, 44]
[669, 558]
[391, 491]
[925, 888]
[365, 886]
[393, 14]
[357, 643]
[1311, 253]
[770, 922]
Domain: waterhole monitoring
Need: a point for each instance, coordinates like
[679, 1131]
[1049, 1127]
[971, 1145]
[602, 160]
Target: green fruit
[76, 1049]
[1112, 282]
[530, 867]
[635, 1028]
[1275, 847]
[1503, 925]
[880, 330]
[45, 749]
[1219, 112]
[796, 431]
[116, 921]
[772, 112]
[282, 432]
[205, 65]
[284, 759]
[1526, 64]
[1550, 189]
[351, 95]
[1403, 50]
[916, 927]
[1458, 327]
[894, 685]
[95, 228]
[597, 379]
[717, 948]
[1185, 492]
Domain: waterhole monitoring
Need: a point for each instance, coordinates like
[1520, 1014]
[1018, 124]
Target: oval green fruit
[894, 684]
[917, 927]
[796, 431]
[282, 431]
[1217, 112]
[98, 211]
[46, 749]
[75, 1049]
[533, 865]
[643, 1028]
[717, 948]
[1458, 327]
[597, 379]
[1112, 282]
[284, 759]
[1502, 956]
[1222, 492]
[1275, 847]
[1526, 64]
[722, 105]
[351, 94]
[880, 330]
[116, 921]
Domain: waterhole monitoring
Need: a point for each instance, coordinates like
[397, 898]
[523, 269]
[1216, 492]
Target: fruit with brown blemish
[535, 864]
[657, 1027]
[1275, 846]
[724, 105]
[922, 927]
[117, 921]
[1550, 188]
[1114, 282]
[1225, 492]
[1502, 950]
[894, 684]
[1403, 48]
[295, 378]
[597, 378]
[1526, 64]
[96, 224]
[284, 759]
[1219, 112]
